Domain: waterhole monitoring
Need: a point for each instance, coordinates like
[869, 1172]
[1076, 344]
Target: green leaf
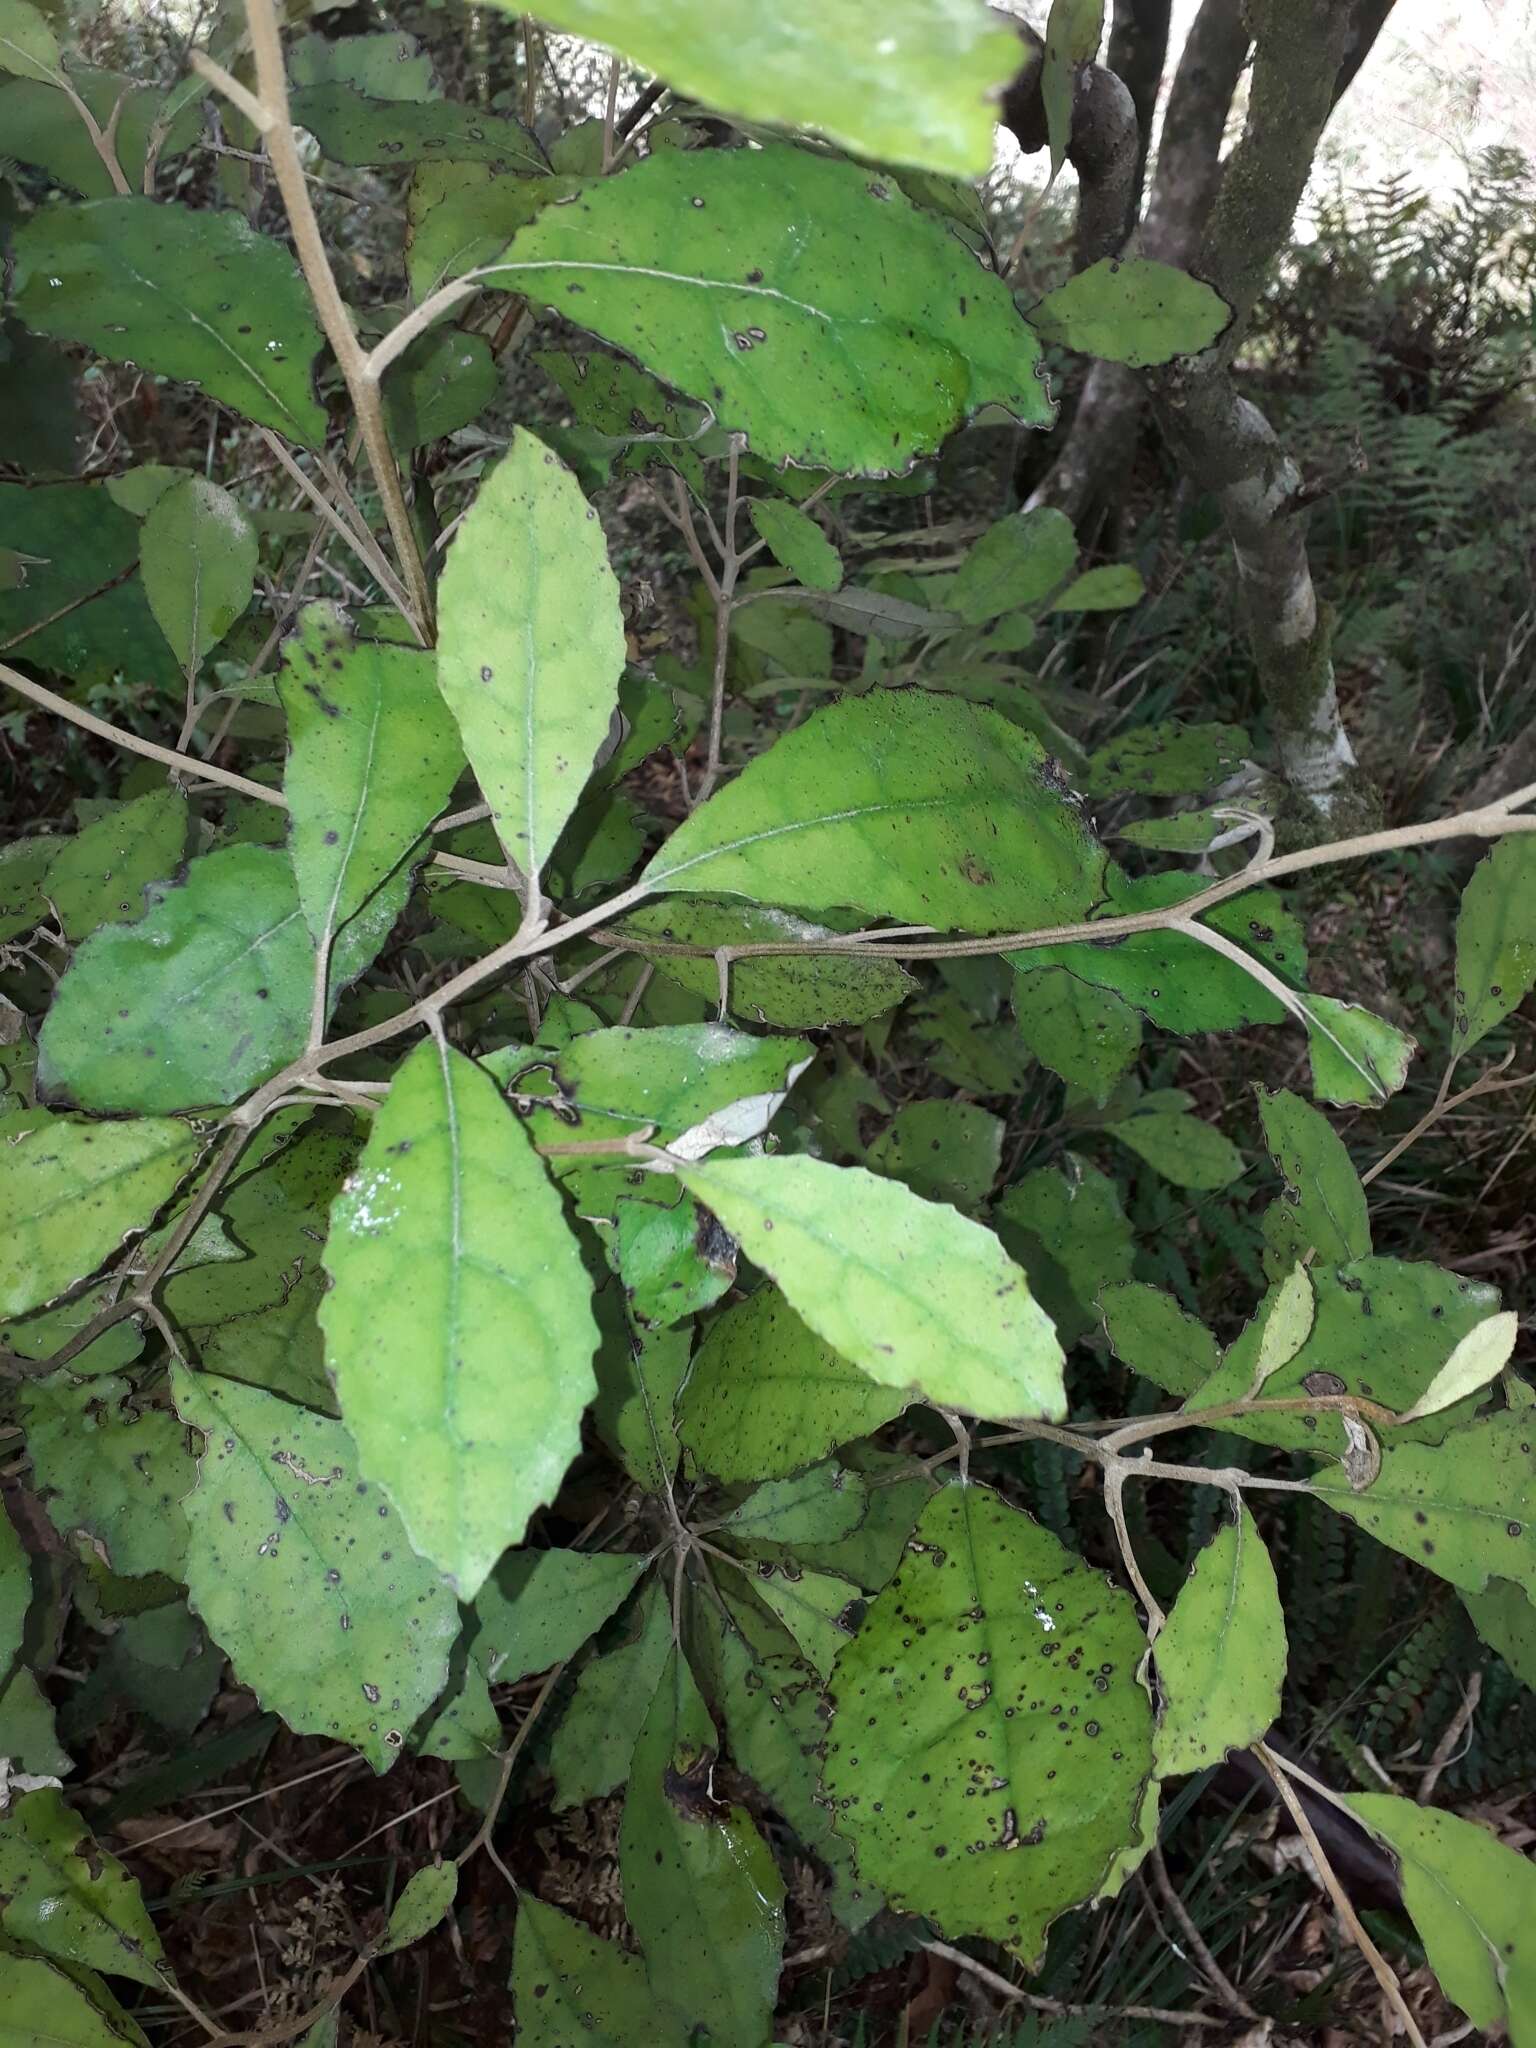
[352, 127]
[1110, 588]
[195, 295]
[42, 2006]
[872, 614]
[41, 128]
[902, 804]
[1149, 1331]
[532, 645]
[1087, 1035]
[465, 1399]
[442, 382]
[816, 1608]
[1505, 1618]
[28, 46]
[569, 1986]
[303, 1575]
[460, 215]
[1473, 1902]
[701, 1890]
[775, 1724]
[423, 1905]
[880, 332]
[698, 1085]
[374, 757]
[674, 1258]
[539, 1606]
[917, 1296]
[27, 1734]
[990, 1741]
[198, 553]
[1382, 1328]
[1496, 939]
[1129, 309]
[1018, 561]
[818, 1506]
[389, 66]
[100, 876]
[65, 1895]
[15, 1592]
[1070, 1234]
[920, 92]
[590, 1753]
[804, 992]
[1323, 1208]
[118, 1476]
[1356, 1057]
[203, 998]
[1182, 1148]
[942, 1150]
[1221, 1655]
[1464, 1509]
[73, 1191]
[23, 866]
[1072, 33]
[767, 1398]
[796, 540]
[639, 1375]
[1173, 979]
[64, 617]
[1166, 759]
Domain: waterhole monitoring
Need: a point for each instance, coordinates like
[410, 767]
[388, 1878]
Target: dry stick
[1487, 1083]
[1221, 1983]
[1379, 1966]
[1445, 1748]
[73, 605]
[1000, 1984]
[184, 764]
[268, 112]
[358, 539]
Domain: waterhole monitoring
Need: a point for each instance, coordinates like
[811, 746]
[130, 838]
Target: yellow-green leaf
[465, 1394]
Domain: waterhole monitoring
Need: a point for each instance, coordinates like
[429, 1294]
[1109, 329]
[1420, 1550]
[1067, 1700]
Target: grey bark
[1188, 168]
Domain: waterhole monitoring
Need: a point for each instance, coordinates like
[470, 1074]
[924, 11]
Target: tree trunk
[1138, 50]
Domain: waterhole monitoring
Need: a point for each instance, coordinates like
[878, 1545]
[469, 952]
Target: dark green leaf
[303, 1574]
[353, 128]
[880, 332]
[990, 1741]
[100, 876]
[569, 1986]
[1323, 1207]
[1129, 309]
[539, 1606]
[901, 804]
[1496, 939]
[766, 1397]
[199, 296]
[374, 755]
[701, 1890]
[203, 998]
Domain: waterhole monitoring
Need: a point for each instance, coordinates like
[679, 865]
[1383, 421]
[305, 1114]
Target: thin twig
[1380, 1968]
[1038, 2003]
[1220, 1982]
[271, 117]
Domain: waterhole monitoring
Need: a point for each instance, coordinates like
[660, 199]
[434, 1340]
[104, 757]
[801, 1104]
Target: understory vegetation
[766, 1084]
